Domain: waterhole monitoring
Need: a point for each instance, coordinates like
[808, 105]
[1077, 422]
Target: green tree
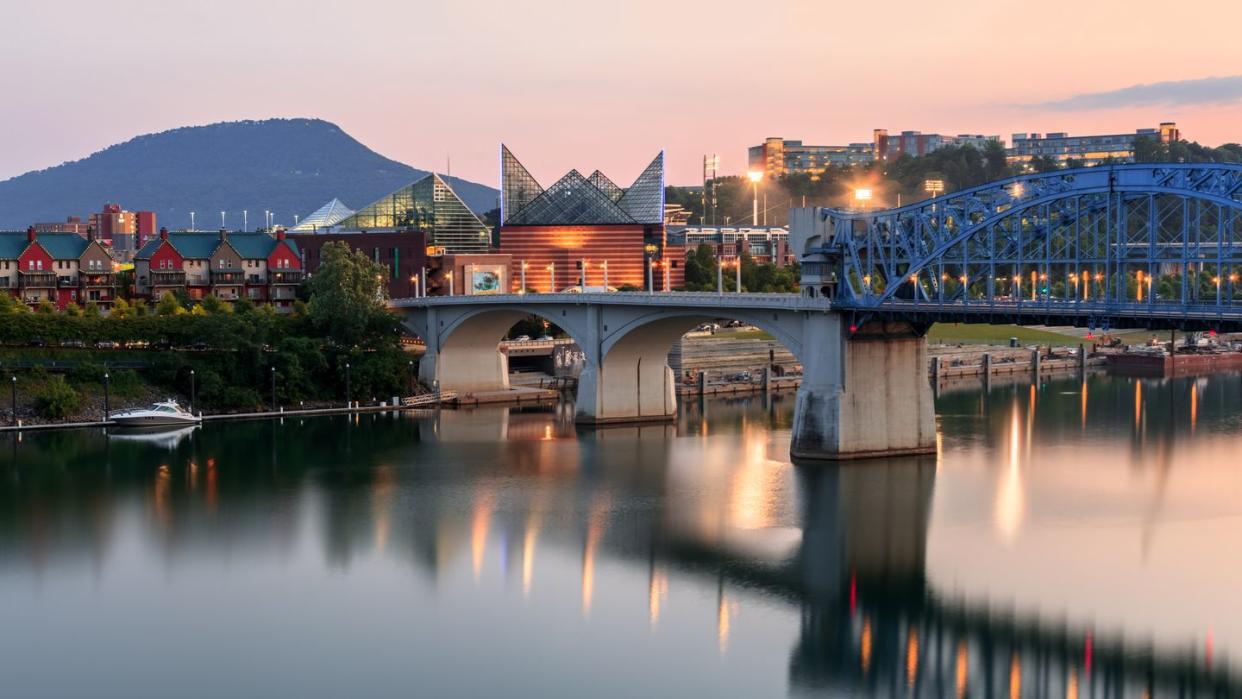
[168, 305]
[214, 306]
[121, 308]
[57, 399]
[73, 310]
[348, 296]
[45, 307]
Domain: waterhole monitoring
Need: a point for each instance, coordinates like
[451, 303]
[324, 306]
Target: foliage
[56, 400]
[168, 305]
[347, 298]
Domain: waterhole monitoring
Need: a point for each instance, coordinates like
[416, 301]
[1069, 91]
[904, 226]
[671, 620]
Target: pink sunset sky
[594, 84]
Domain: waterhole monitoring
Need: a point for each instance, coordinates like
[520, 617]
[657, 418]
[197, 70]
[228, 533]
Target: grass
[950, 333]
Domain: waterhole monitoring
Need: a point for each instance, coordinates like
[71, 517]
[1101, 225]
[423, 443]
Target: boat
[157, 414]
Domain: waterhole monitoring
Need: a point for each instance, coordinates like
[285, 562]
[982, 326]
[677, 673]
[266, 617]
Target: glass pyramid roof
[429, 205]
[325, 216]
[578, 200]
[644, 200]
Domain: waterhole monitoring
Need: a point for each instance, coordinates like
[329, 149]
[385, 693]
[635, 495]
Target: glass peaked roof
[571, 201]
[325, 216]
[578, 200]
[605, 185]
[430, 205]
[644, 200]
[518, 187]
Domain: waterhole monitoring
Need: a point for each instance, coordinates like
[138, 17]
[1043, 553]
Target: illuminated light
[1212, 333]
[657, 591]
[865, 643]
[1194, 406]
[1071, 686]
[853, 594]
[862, 194]
[755, 176]
[1138, 402]
[962, 666]
[479, 524]
[912, 657]
[1090, 336]
[853, 328]
[1018, 189]
[1015, 678]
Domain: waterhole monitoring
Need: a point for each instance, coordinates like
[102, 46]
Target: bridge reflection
[846, 547]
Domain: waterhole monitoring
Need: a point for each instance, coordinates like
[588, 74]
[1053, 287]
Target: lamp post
[525, 264]
[107, 400]
[192, 220]
[273, 373]
[668, 267]
[449, 276]
[411, 377]
[552, 278]
[414, 284]
[604, 266]
[754, 176]
[222, 225]
[192, 397]
[585, 264]
[14, 398]
[737, 264]
[245, 219]
[720, 275]
[348, 403]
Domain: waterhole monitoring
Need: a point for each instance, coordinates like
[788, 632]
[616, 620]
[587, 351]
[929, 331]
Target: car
[36, 342]
[199, 346]
[137, 344]
[522, 338]
[107, 344]
[162, 345]
[544, 338]
[72, 343]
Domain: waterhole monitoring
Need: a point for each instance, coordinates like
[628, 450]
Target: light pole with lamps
[192, 396]
[755, 176]
[192, 221]
[604, 266]
[650, 250]
[348, 403]
[737, 264]
[720, 275]
[411, 377]
[14, 398]
[552, 278]
[222, 220]
[273, 374]
[449, 276]
[414, 284]
[585, 264]
[107, 401]
[522, 289]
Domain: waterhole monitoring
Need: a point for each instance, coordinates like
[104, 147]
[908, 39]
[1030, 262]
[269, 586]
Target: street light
[754, 176]
[192, 396]
[585, 263]
[933, 187]
[348, 402]
[106, 398]
[273, 373]
[525, 264]
[449, 276]
[14, 394]
[552, 278]
[411, 367]
[414, 284]
[862, 194]
[604, 266]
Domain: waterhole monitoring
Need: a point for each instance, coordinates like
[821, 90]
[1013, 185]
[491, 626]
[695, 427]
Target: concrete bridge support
[862, 397]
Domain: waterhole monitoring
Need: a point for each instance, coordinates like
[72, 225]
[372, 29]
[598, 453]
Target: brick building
[262, 267]
[62, 268]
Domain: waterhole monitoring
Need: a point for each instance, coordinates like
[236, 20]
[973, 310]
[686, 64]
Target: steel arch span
[1154, 244]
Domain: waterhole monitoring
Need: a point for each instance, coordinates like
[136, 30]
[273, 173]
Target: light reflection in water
[1009, 495]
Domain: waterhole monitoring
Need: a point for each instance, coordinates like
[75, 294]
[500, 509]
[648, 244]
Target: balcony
[167, 278]
[66, 282]
[286, 276]
[6, 282]
[96, 281]
[36, 280]
[226, 277]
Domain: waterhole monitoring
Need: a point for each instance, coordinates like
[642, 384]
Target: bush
[57, 400]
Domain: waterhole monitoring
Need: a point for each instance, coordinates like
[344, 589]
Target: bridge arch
[463, 348]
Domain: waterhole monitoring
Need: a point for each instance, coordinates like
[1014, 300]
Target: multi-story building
[585, 222]
[125, 231]
[403, 254]
[1092, 150]
[765, 244]
[916, 143]
[262, 267]
[429, 205]
[777, 156]
[469, 275]
[62, 268]
[71, 224]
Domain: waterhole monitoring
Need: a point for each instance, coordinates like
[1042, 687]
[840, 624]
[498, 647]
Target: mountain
[289, 166]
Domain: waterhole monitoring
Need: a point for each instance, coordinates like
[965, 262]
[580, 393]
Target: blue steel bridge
[1138, 245]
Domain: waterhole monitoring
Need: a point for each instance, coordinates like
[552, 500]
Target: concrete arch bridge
[864, 392]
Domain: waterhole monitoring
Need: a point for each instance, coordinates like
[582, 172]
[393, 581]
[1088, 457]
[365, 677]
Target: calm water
[1070, 540]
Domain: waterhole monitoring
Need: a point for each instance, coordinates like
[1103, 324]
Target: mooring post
[1035, 363]
[987, 368]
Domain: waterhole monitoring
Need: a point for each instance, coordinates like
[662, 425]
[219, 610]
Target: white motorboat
[162, 413]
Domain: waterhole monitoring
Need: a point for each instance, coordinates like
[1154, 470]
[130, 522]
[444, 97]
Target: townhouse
[262, 267]
[62, 268]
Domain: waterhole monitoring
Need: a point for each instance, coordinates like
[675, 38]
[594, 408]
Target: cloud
[1215, 90]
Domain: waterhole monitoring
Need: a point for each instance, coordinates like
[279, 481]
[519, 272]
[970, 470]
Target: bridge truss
[1157, 245]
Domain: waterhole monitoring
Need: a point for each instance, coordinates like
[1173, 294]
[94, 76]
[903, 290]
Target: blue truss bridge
[1154, 245]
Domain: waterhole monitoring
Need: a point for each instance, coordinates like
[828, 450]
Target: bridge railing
[636, 298]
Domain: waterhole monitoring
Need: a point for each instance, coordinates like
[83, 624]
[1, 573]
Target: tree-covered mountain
[289, 166]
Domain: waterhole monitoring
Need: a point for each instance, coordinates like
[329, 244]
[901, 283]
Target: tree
[214, 306]
[120, 308]
[73, 310]
[46, 307]
[57, 400]
[701, 268]
[91, 310]
[347, 298]
[168, 305]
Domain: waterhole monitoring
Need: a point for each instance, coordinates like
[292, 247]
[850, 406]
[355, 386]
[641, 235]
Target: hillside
[289, 166]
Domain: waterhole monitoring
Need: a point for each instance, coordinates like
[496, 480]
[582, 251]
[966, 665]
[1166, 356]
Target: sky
[590, 84]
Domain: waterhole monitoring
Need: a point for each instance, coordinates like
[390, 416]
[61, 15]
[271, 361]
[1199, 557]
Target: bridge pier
[869, 398]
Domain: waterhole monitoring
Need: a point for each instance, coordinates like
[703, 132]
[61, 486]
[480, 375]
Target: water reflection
[1026, 561]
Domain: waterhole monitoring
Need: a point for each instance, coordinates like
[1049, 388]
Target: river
[1070, 539]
